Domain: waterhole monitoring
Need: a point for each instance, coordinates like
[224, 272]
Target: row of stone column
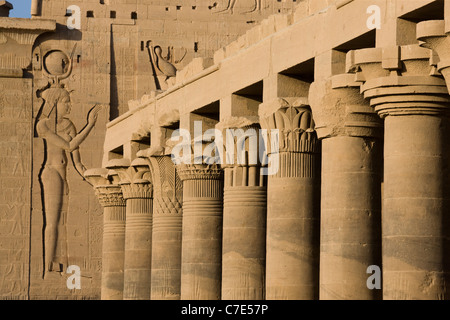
[403, 86]
[217, 248]
[316, 227]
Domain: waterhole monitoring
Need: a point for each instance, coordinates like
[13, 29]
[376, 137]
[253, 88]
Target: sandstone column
[137, 191]
[202, 231]
[244, 219]
[351, 188]
[415, 105]
[167, 227]
[110, 197]
[293, 202]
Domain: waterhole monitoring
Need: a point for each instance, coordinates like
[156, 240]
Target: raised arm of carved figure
[76, 156]
[53, 138]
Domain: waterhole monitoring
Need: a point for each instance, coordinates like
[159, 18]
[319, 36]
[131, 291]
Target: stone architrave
[404, 88]
[293, 202]
[201, 268]
[110, 196]
[244, 215]
[137, 190]
[351, 134]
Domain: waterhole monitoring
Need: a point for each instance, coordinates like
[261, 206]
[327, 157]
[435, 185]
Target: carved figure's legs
[54, 185]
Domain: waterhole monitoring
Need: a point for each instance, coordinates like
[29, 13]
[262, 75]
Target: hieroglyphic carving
[16, 43]
[232, 3]
[164, 65]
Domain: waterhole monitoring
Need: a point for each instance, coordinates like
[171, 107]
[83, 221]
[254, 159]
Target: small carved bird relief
[163, 65]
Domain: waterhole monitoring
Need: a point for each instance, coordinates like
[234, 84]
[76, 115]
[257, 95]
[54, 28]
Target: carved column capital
[168, 191]
[432, 35]
[341, 110]
[199, 172]
[241, 135]
[110, 196]
[135, 178]
[107, 190]
[397, 81]
[293, 118]
[243, 149]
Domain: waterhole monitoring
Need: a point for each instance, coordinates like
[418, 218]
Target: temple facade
[234, 150]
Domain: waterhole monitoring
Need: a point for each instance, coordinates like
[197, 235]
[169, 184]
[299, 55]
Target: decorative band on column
[245, 196]
[297, 165]
[166, 206]
[167, 223]
[137, 222]
[112, 228]
[202, 189]
[110, 199]
[197, 207]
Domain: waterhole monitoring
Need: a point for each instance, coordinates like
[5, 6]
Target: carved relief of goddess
[60, 139]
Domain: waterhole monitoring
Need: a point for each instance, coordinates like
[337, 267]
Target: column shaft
[293, 211]
[138, 246]
[351, 217]
[202, 237]
[416, 226]
[244, 243]
[166, 255]
[113, 253]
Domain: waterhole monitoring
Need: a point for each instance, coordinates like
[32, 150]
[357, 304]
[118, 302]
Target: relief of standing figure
[60, 137]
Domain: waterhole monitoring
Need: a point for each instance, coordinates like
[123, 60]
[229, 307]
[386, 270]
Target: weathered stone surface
[292, 265]
[202, 232]
[360, 77]
[351, 188]
[397, 82]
